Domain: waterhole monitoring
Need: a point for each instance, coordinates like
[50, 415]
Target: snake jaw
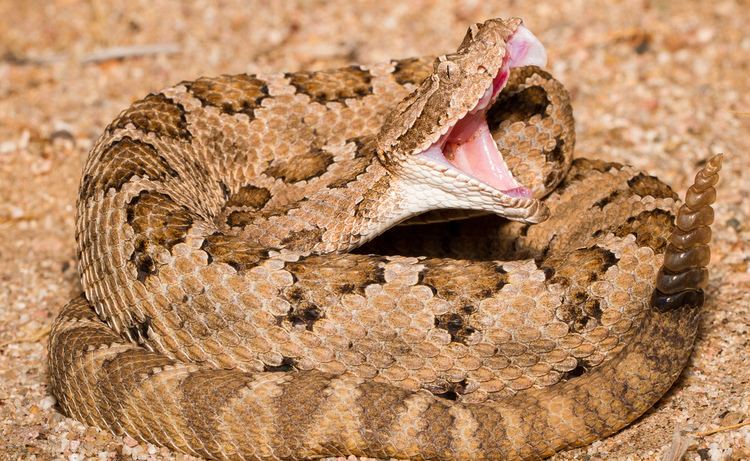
[468, 145]
[467, 154]
[437, 184]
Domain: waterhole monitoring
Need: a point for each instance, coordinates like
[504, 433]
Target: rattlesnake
[233, 307]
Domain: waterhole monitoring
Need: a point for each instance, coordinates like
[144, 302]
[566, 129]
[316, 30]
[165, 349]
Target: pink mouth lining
[469, 146]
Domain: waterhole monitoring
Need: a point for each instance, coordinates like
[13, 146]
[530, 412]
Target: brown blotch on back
[594, 164]
[345, 274]
[299, 402]
[158, 222]
[305, 314]
[240, 218]
[412, 70]
[236, 252]
[439, 424]
[232, 94]
[353, 169]
[644, 185]
[333, 85]
[121, 161]
[302, 167]
[75, 338]
[379, 420]
[651, 228]
[303, 239]
[203, 396]
[611, 198]
[464, 283]
[119, 375]
[79, 308]
[491, 433]
[249, 196]
[157, 114]
[576, 271]
[456, 325]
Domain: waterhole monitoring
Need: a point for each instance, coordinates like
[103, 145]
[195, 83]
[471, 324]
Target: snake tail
[683, 275]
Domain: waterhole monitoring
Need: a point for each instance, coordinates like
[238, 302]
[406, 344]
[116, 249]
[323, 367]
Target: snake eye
[448, 71]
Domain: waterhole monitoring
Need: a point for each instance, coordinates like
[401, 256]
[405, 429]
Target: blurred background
[659, 84]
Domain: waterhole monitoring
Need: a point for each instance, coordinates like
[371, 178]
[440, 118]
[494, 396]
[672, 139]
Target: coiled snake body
[236, 305]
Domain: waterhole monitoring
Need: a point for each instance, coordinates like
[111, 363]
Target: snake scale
[240, 301]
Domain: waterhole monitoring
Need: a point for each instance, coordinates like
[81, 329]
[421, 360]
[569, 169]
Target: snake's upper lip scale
[468, 146]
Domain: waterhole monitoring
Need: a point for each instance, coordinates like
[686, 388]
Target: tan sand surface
[656, 83]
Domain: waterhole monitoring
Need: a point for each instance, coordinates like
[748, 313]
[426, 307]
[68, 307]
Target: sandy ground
[658, 84]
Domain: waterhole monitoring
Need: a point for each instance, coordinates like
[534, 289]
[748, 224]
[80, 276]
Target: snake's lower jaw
[468, 155]
[433, 185]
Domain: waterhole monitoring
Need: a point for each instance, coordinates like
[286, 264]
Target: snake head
[437, 137]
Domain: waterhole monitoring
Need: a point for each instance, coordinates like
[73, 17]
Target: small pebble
[716, 453]
[47, 402]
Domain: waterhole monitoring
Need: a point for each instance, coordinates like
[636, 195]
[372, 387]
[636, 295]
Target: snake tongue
[471, 149]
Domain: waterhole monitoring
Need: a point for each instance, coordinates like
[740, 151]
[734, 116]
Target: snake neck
[339, 218]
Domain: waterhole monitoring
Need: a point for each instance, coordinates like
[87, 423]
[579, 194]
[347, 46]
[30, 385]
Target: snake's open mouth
[468, 146]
